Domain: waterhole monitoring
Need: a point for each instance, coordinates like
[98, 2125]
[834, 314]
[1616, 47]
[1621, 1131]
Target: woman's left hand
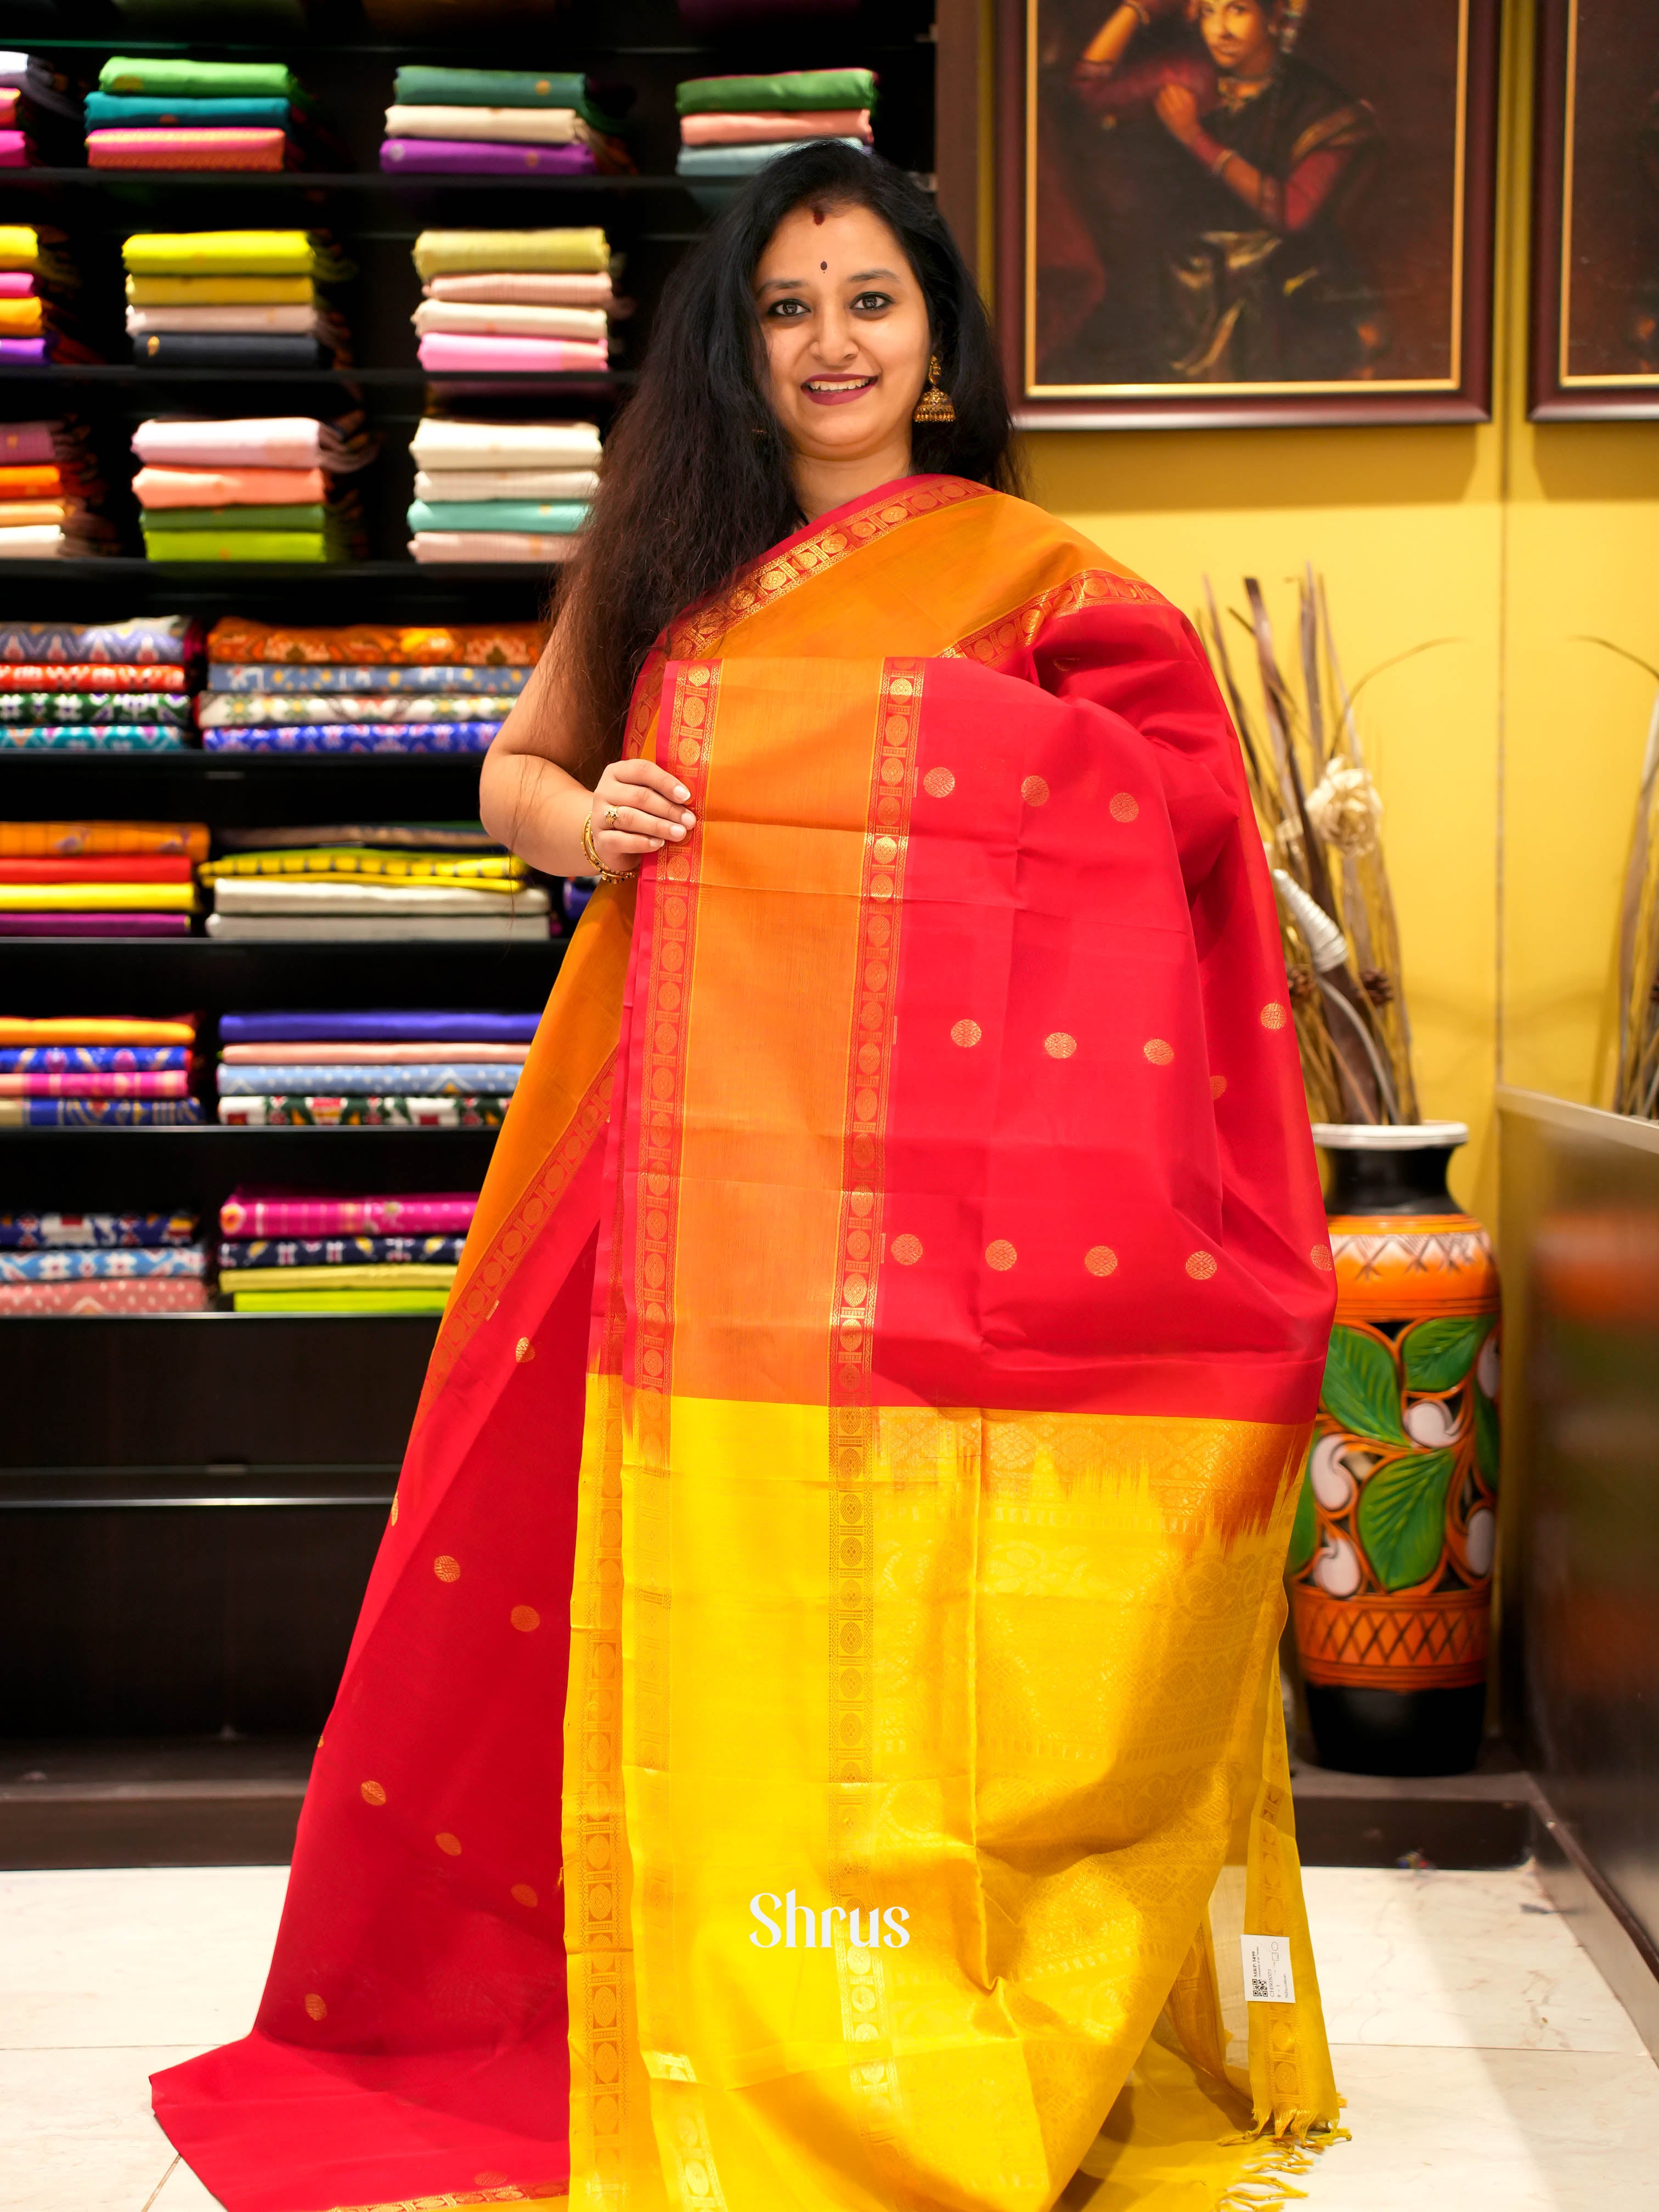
[1177, 111]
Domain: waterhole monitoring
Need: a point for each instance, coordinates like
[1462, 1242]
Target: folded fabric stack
[372, 1070]
[443, 690]
[75, 1070]
[40, 114]
[731, 126]
[514, 315]
[260, 489]
[37, 283]
[50, 489]
[339, 891]
[501, 491]
[287, 1254]
[106, 688]
[233, 299]
[512, 122]
[101, 1263]
[149, 113]
[100, 879]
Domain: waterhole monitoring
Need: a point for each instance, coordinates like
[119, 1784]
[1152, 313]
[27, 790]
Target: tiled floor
[1485, 2063]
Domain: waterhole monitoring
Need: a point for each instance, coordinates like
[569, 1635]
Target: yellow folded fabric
[393, 1275]
[449, 252]
[221, 291]
[487, 871]
[20, 246]
[20, 319]
[362, 1302]
[15, 512]
[216, 252]
[93, 1029]
[102, 898]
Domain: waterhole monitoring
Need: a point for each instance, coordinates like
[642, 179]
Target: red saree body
[1030, 1135]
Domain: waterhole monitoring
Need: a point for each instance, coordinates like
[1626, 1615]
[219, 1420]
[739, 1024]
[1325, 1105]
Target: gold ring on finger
[612, 816]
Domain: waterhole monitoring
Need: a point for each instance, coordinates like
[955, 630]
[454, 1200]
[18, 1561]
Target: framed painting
[1596, 213]
[1246, 212]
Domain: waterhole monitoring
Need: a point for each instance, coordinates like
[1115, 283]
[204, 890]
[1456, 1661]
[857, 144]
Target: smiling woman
[871, 1411]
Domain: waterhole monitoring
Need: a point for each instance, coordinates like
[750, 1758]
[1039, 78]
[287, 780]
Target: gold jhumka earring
[934, 405]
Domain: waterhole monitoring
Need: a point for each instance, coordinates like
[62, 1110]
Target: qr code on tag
[1267, 1977]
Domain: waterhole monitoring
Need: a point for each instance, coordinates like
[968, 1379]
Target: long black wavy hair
[695, 480]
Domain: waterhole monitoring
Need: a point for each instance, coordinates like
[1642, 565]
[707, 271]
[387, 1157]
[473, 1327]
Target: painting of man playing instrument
[1250, 197]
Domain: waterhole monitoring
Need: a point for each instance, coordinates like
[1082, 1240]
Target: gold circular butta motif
[1124, 806]
[1060, 1046]
[1001, 1255]
[315, 2007]
[938, 783]
[394, 1509]
[450, 1845]
[906, 1249]
[446, 1569]
[522, 1893]
[1158, 1052]
[1100, 1260]
[373, 1793]
[966, 1034]
[1273, 1016]
[1201, 1266]
[1321, 1257]
[1218, 1085]
[525, 1618]
[1034, 791]
[524, 1349]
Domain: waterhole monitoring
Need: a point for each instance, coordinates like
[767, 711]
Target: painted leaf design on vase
[1486, 1438]
[1305, 1528]
[1361, 1390]
[1402, 1517]
[1438, 1354]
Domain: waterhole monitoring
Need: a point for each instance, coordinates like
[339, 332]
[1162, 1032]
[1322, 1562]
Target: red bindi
[817, 215]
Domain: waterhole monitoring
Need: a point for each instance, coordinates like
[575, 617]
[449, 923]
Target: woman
[917, 1119]
[1252, 154]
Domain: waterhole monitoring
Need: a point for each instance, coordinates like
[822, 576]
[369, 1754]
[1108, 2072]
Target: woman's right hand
[637, 809]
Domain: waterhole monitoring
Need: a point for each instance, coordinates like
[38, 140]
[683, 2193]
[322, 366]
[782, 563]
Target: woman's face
[1238, 34]
[847, 335]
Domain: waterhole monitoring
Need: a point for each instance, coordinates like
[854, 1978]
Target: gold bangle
[606, 875]
[1221, 161]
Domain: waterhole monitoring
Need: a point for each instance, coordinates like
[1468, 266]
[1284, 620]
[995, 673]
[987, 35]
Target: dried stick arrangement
[1320, 817]
[1637, 1088]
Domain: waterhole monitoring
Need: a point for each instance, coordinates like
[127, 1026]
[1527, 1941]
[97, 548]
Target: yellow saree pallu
[918, 1155]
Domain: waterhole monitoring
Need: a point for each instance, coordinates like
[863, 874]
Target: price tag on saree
[1267, 1977]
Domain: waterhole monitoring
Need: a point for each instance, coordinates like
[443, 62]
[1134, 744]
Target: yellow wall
[1508, 757]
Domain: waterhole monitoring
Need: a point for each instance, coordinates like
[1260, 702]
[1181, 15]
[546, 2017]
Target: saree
[870, 1409]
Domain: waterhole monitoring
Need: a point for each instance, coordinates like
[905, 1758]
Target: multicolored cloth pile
[501, 491]
[40, 113]
[265, 489]
[511, 122]
[731, 126]
[153, 112]
[366, 687]
[51, 490]
[100, 880]
[513, 299]
[101, 1263]
[104, 688]
[38, 286]
[287, 1254]
[82, 1071]
[233, 299]
[343, 886]
[372, 1070]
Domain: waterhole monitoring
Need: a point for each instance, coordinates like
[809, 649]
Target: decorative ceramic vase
[1391, 1555]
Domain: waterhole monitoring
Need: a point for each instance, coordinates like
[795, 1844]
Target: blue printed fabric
[418, 1079]
[90, 1060]
[133, 738]
[279, 676]
[353, 738]
[99, 1113]
[37, 1232]
[160, 640]
[106, 1267]
[379, 1025]
[341, 1251]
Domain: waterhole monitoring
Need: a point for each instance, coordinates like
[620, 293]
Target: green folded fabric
[558, 517]
[417, 85]
[361, 1302]
[184, 79]
[791, 91]
[236, 544]
[171, 521]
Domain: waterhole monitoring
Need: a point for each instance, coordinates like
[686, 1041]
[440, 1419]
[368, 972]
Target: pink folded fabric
[759, 127]
[275, 441]
[13, 150]
[156, 1294]
[526, 288]
[490, 546]
[22, 444]
[115, 1083]
[168, 146]
[18, 284]
[251, 487]
[445, 350]
[94, 925]
[355, 1054]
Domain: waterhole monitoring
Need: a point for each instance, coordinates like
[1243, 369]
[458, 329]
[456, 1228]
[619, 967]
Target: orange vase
[1391, 1555]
